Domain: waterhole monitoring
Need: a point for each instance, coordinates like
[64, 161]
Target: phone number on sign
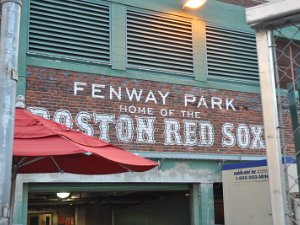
[252, 177]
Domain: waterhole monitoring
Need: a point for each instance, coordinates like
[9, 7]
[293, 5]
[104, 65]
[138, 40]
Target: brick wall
[54, 90]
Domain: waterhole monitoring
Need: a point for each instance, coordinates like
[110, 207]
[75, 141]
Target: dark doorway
[111, 208]
[219, 203]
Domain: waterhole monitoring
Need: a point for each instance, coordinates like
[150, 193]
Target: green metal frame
[202, 199]
[118, 48]
[43, 187]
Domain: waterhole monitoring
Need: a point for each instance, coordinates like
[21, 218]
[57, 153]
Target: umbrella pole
[12, 193]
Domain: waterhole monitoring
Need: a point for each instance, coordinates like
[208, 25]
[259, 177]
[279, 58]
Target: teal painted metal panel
[81, 31]
[231, 55]
[195, 204]
[222, 78]
[23, 44]
[207, 204]
[158, 41]
[21, 207]
[118, 36]
[199, 50]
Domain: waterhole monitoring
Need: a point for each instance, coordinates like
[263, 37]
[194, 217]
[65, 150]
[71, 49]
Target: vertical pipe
[9, 46]
[271, 124]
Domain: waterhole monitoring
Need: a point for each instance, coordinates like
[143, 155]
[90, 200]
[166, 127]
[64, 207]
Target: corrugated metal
[231, 55]
[159, 42]
[70, 29]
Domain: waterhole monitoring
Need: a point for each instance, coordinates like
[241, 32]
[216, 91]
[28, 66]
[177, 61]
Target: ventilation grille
[70, 29]
[159, 42]
[231, 55]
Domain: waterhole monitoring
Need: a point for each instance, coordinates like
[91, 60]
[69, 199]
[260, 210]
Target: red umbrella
[44, 146]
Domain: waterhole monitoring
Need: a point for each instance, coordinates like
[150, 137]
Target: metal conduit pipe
[9, 48]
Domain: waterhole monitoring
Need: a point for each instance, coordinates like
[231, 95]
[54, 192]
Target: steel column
[9, 45]
[271, 124]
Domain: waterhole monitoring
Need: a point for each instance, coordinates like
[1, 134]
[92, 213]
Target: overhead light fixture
[63, 194]
[194, 4]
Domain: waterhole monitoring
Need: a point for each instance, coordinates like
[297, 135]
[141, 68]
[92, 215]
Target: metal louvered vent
[70, 29]
[159, 42]
[231, 55]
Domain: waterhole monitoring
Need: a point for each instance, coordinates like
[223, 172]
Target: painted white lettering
[142, 110]
[104, 120]
[112, 92]
[124, 128]
[228, 139]
[229, 104]
[216, 101]
[188, 98]
[63, 117]
[164, 112]
[243, 136]
[164, 96]
[134, 94]
[150, 97]
[132, 109]
[77, 88]
[201, 102]
[82, 121]
[149, 111]
[39, 112]
[145, 130]
[257, 141]
[206, 134]
[190, 132]
[189, 114]
[197, 115]
[96, 90]
[172, 136]
[123, 108]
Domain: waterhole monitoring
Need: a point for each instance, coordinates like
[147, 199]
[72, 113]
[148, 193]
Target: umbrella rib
[20, 164]
[129, 170]
[56, 164]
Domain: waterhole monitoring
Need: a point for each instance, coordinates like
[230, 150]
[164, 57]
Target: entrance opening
[110, 208]
[219, 203]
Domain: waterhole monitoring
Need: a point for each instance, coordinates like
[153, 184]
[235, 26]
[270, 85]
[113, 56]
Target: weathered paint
[195, 204]
[207, 204]
[118, 37]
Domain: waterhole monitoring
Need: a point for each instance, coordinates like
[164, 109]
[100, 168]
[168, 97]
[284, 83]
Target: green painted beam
[23, 46]
[199, 48]
[207, 204]
[195, 204]
[25, 204]
[46, 187]
[118, 36]
[20, 213]
[138, 74]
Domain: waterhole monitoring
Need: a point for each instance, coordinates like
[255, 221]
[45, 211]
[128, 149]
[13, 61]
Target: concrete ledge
[273, 14]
